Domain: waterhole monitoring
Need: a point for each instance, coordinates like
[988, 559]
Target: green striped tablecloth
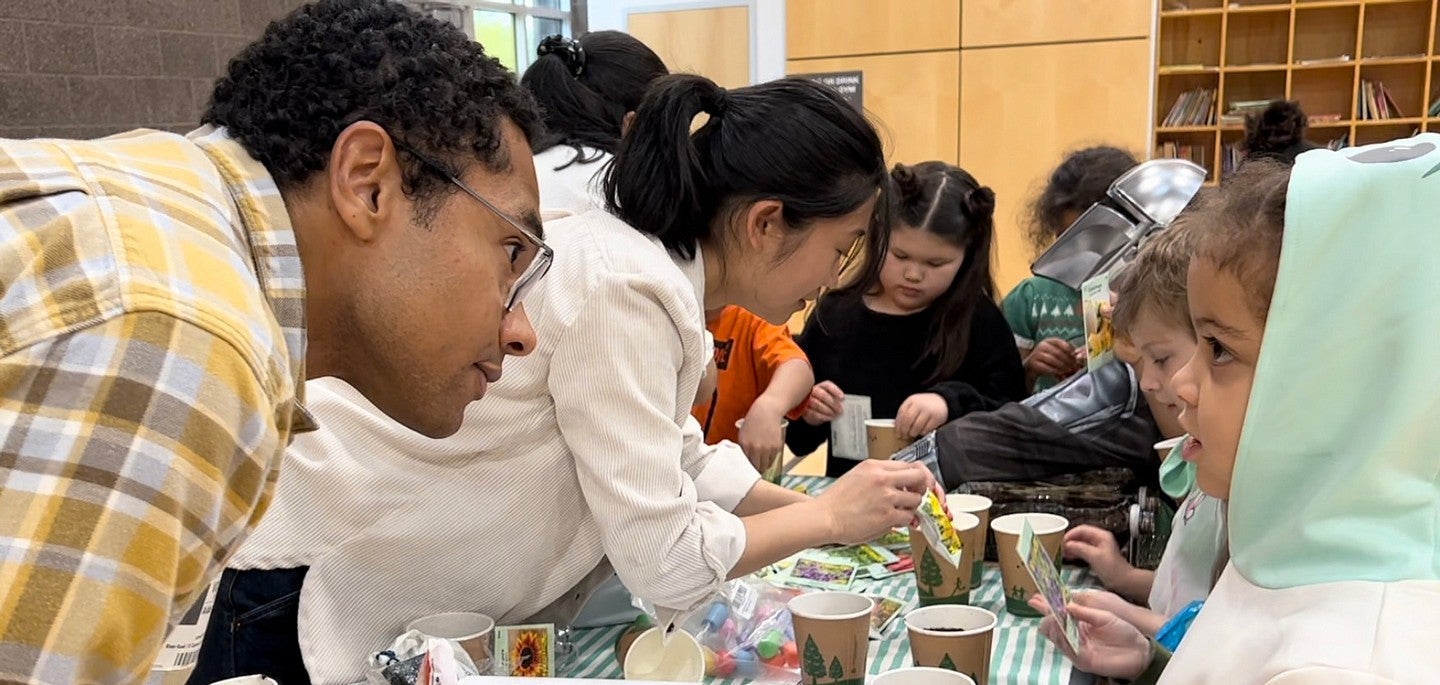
[1021, 655]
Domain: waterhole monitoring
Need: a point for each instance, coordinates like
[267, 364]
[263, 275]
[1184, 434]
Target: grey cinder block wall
[89, 68]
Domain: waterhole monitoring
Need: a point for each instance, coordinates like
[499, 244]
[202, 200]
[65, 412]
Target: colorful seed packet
[939, 530]
[823, 573]
[525, 651]
[1047, 578]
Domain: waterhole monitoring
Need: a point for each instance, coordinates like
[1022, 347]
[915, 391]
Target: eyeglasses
[544, 256]
[852, 256]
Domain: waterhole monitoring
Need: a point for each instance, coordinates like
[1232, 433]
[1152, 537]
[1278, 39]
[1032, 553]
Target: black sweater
[868, 353]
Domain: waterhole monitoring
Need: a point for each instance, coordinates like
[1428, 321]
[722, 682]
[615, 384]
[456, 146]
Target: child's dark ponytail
[980, 205]
[908, 188]
[790, 140]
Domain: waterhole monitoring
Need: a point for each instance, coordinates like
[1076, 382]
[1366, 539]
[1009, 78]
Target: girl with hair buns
[586, 88]
[917, 331]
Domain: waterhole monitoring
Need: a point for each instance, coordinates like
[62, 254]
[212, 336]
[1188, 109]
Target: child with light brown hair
[1151, 316]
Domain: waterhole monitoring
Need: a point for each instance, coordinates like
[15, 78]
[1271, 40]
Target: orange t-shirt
[748, 350]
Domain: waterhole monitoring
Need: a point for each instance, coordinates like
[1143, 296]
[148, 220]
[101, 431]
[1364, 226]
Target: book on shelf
[1376, 103]
[1434, 110]
[1339, 143]
[1235, 116]
[1340, 59]
[1198, 154]
[1321, 119]
[1231, 158]
[1193, 108]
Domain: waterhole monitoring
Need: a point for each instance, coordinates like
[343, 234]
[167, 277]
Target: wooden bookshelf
[1317, 52]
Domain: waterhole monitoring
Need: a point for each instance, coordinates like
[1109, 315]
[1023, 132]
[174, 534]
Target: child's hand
[1097, 547]
[826, 403]
[1052, 357]
[1109, 646]
[708, 383]
[920, 414]
[761, 436]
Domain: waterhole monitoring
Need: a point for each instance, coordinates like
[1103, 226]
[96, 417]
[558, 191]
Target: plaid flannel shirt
[152, 345]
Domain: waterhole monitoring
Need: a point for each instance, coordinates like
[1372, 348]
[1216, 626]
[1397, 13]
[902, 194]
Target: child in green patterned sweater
[1045, 315]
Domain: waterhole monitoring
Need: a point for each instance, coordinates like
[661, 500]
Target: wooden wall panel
[1025, 107]
[827, 28]
[1020, 22]
[712, 42]
[914, 100]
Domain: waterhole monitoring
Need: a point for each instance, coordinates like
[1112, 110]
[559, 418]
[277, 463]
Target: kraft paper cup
[677, 660]
[937, 581]
[883, 440]
[832, 635]
[475, 633]
[921, 676]
[978, 505]
[1019, 587]
[956, 638]
[776, 470]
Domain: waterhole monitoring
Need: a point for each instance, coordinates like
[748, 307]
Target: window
[510, 30]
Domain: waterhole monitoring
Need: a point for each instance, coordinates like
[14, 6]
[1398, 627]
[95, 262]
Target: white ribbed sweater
[584, 450]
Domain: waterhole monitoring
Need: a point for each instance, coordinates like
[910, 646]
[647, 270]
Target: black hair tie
[567, 49]
[721, 103]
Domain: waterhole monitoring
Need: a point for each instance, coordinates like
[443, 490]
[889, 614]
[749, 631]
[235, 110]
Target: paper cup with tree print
[1019, 586]
[832, 634]
[957, 638]
[979, 505]
[939, 581]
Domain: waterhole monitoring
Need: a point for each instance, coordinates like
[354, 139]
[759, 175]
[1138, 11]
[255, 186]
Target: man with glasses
[163, 300]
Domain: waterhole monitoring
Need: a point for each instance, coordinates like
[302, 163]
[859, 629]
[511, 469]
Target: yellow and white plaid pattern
[152, 350]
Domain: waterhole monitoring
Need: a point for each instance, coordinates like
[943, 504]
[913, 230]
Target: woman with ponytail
[917, 331]
[586, 88]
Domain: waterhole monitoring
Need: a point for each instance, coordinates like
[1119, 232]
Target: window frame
[572, 21]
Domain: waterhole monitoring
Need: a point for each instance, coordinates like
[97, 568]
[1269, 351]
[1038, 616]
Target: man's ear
[365, 179]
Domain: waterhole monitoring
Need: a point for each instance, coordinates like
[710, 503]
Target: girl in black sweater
[917, 331]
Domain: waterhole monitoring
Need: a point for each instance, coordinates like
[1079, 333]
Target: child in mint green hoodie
[1313, 405]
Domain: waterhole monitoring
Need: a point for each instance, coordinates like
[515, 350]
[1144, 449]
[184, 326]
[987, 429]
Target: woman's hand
[919, 414]
[826, 403]
[873, 498]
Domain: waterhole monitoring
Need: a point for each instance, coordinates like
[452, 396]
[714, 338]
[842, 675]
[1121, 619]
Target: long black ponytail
[790, 140]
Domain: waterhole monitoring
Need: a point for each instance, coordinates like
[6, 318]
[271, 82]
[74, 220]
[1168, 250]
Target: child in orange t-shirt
[763, 378]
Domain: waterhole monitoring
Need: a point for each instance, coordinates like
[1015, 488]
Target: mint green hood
[1337, 475]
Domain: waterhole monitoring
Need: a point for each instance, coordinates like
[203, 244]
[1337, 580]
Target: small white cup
[246, 680]
[475, 633]
[1040, 524]
[919, 675]
[680, 660]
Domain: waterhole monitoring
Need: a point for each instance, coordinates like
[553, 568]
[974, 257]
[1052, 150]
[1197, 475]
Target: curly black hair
[1277, 131]
[287, 96]
[1083, 179]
